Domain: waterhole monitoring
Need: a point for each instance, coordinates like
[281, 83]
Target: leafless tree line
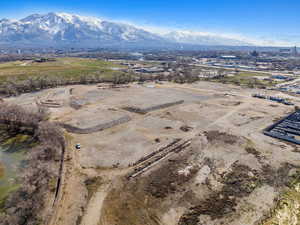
[15, 86]
[25, 206]
[16, 118]
[176, 77]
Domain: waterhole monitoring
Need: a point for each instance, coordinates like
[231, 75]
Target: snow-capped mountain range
[62, 29]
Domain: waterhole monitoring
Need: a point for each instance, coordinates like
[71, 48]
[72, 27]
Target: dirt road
[93, 210]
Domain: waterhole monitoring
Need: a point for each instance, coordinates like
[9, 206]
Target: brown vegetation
[129, 205]
[25, 205]
[213, 136]
[166, 180]
[239, 183]
[1, 170]
[18, 119]
[14, 87]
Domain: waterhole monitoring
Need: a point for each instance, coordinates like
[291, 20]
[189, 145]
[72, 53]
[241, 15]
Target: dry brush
[27, 206]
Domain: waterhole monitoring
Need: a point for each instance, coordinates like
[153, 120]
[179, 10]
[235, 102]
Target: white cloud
[259, 41]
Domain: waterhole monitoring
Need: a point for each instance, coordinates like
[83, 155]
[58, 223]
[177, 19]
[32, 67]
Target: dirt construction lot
[203, 161]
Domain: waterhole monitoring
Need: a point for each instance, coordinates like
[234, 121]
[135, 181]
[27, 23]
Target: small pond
[13, 150]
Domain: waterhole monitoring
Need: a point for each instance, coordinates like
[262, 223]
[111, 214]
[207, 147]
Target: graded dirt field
[204, 161]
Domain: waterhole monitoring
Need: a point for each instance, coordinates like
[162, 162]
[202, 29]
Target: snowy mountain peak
[73, 18]
[60, 29]
[64, 29]
[53, 19]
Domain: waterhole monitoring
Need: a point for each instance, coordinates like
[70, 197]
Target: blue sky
[269, 20]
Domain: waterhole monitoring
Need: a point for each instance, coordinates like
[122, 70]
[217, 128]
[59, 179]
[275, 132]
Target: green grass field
[251, 74]
[63, 67]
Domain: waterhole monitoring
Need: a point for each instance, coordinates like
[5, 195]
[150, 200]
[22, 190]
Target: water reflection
[12, 154]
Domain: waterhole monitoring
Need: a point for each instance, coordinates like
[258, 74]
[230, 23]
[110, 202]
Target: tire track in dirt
[93, 210]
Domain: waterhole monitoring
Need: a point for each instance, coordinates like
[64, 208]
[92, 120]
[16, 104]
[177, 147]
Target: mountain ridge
[63, 29]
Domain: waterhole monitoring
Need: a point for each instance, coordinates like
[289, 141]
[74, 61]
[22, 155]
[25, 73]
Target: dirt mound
[217, 136]
[186, 128]
[232, 103]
